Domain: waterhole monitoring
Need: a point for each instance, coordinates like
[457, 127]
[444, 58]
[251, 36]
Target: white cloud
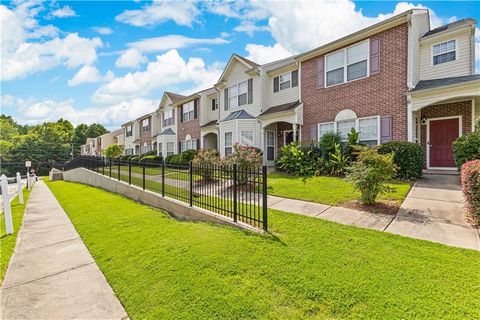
[102, 30]
[21, 57]
[183, 13]
[63, 12]
[89, 74]
[262, 54]
[249, 27]
[32, 111]
[167, 70]
[171, 42]
[132, 58]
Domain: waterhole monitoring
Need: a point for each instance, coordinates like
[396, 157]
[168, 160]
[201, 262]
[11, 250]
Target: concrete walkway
[433, 210]
[52, 275]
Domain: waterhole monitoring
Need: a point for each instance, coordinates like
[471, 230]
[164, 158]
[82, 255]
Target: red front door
[442, 134]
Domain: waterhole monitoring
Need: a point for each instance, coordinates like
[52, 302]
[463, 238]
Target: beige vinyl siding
[206, 113]
[282, 96]
[229, 126]
[163, 139]
[460, 67]
[155, 125]
[236, 127]
[235, 75]
[418, 27]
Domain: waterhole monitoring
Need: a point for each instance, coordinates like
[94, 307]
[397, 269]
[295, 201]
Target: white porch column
[294, 132]
[262, 144]
[409, 119]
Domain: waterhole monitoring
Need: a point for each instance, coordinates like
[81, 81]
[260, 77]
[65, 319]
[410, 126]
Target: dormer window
[444, 52]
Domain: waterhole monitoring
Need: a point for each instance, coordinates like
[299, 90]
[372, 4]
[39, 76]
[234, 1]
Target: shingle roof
[449, 26]
[208, 124]
[250, 62]
[174, 96]
[240, 114]
[281, 107]
[168, 131]
[436, 83]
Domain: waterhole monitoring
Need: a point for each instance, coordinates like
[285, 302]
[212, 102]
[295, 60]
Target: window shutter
[195, 108]
[173, 117]
[313, 133]
[320, 73]
[213, 104]
[250, 91]
[225, 106]
[295, 78]
[374, 56]
[385, 129]
[275, 84]
[181, 113]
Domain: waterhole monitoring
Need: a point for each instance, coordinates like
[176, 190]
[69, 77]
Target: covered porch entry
[276, 135]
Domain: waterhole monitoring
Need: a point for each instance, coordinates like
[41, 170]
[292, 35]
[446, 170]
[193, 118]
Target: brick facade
[191, 127]
[145, 137]
[382, 94]
[463, 108]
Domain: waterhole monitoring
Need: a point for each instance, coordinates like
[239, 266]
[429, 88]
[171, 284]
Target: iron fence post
[191, 183]
[118, 168]
[143, 174]
[264, 198]
[129, 171]
[110, 166]
[103, 165]
[163, 178]
[235, 192]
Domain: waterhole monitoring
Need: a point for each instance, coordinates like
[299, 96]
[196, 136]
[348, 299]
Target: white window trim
[173, 148]
[253, 138]
[237, 95]
[357, 121]
[190, 105]
[225, 142]
[280, 83]
[445, 63]
[345, 57]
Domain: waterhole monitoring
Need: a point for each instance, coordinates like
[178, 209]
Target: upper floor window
[146, 125]
[188, 112]
[128, 131]
[347, 64]
[285, 81]
[168, 118]
[237, 94]
[214, 104]
[444, 52]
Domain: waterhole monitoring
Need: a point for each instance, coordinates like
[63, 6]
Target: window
[347, 64]
[160, 146]
[368, 130]
[238, 94]
[146, 125]
[188, 111]
[443, 52]
[170, 148]
[270, 137]
[344, 128]
[128, 131]
[366, 127]
[325, 128]
[285, 80]
[228, 144]
[214, 104]
[189, 145]
[246, 138]
[168, 118]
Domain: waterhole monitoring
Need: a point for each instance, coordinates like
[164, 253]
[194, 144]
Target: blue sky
[111, 61]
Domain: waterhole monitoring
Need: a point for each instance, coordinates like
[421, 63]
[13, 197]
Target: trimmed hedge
[176, 159]
[155, 159]
[169, 158]
[187, 156]
[471, 186]
[466, 148]
[408, 157]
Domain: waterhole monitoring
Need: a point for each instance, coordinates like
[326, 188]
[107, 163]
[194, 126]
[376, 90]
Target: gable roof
[167, 132]
[451, 26]
[247, 63]
[174, 97]
[281, 108]
[437, 83]
[240, 114]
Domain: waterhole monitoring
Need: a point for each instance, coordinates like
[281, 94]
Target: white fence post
[6, 205]
[19, 184]
[28, 181]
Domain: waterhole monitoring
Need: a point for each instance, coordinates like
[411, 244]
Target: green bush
[335, 164]
[247, 159]
[151, 159]
[407, 156]
[470, 175]
[113, 151]
[176, 159]
[168, 158]
[294, 160]
[135, 158]
[187, 156]
[327, 143]
[370, 173]
[204, 162]
[466, 148]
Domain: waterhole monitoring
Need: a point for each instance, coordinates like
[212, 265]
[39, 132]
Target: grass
[161, 268]
[326, 190]
[176, 174]
[7, 242]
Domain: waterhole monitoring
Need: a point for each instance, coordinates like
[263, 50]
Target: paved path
[52, 274]
[433, 210]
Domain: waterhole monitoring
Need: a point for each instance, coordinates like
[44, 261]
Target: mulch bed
[384, 207]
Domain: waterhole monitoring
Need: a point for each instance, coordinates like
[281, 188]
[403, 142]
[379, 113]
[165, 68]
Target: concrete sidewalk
[52, 275]
[433, 210]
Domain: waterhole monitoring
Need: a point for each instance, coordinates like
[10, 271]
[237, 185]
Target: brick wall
[191, 127]
[463, 108]
[381, 94]
[145, 136]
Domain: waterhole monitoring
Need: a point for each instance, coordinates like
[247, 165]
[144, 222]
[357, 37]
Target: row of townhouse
[95, 146]
[395, 80]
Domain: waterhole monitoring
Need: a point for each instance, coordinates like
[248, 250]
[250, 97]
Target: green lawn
[161, 268]
[7, 242]
[326, 190]
[170, 173]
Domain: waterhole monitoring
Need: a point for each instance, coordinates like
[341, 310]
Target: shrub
[327, 143]
[247, 159]
[370, 173]
[150, 153]
[294, 160]
[187, 156]
[113, 151]
[335, 164]
[152, 159]
[135, 158]
[471, 186]
[204, 162]
[407, 156]
[466, 148]
[169, 158]
[176, 159]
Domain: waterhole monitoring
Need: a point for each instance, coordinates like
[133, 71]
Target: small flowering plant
[247, 158]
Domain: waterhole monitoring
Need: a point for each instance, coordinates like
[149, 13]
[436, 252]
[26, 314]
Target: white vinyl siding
[347, 64]
[271, 99]
[246, 138]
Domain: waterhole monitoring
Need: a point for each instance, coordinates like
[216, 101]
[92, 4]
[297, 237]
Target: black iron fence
[10, 168]
[234, 192]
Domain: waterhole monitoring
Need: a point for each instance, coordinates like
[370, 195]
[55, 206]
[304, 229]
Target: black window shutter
[225, 106]
[275, 84]
[181, 113]
[213, 104]
[250, 91]
[195, 108]
[295, 78]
